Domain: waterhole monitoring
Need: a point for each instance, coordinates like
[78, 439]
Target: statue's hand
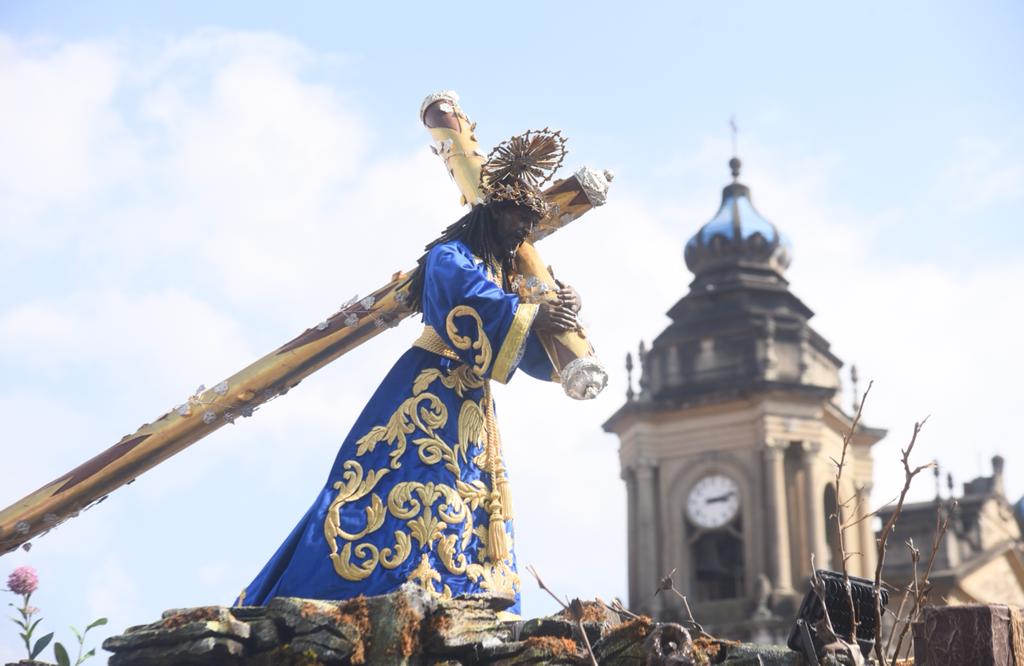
[569, 296]
[554, 318]
[566, 294]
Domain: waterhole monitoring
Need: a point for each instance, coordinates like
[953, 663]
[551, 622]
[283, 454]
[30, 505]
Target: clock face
[713, 501]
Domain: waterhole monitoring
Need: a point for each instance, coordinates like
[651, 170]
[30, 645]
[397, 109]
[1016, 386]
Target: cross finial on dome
[734, 163]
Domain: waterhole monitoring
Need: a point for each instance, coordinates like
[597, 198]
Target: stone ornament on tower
[629, 377]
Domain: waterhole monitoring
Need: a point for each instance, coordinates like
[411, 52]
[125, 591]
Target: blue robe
[418, 491]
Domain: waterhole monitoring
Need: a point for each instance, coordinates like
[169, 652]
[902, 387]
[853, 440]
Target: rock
[624, 644]
[325, 631]
[263, 635]
[327, 648]
[248, 613]
[499, 651]
[461, 627]
[296, 617]
[752, 654]
[495, 602]
[412, 628]
[182, 626]
[210, 650]
[708, 650]
[555, 627]
[395, 634]
[545, 650]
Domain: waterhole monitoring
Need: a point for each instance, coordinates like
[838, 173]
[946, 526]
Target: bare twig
[666, 584]
[576, 611]
[908, 477]
[617, 607]
[540, 583]
[819, 589]
[914, 589]
[896, 622]
[874, 513]
[925, 585]
[840, 527]
[573, 608]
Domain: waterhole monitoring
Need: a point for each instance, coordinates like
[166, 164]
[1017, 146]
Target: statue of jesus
[419, 491]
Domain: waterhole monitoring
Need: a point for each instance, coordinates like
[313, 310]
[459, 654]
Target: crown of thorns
[516, 168]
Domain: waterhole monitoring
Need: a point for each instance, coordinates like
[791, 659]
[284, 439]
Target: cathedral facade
[726, 449]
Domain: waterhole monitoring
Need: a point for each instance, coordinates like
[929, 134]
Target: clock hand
[720, 498]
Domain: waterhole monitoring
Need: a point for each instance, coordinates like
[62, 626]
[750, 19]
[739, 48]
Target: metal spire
[734, 163]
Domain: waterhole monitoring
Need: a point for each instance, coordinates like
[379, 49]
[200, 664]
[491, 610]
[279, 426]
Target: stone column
[631, 535]
[814, 498]
[647, 543]
[805, 355]
[777, 516]
[770, 362]
[869, 556]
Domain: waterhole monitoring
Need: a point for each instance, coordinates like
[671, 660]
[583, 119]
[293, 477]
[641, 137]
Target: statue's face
[514, 225]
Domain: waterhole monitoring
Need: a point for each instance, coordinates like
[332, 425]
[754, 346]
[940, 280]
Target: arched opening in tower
[835, 551]
[718, 559]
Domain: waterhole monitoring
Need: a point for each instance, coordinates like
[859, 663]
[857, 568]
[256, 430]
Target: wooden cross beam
[244, 392]
[582, 375]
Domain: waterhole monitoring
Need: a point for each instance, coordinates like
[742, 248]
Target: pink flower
[23, 580]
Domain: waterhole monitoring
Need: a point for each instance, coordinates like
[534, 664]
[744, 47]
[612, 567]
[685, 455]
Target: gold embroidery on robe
[427, 509]
[514, 344]
[482, 344]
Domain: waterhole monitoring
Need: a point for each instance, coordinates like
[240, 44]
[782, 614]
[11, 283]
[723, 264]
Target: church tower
[725, 449]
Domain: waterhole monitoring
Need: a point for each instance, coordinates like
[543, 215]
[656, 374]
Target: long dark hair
[478, 230]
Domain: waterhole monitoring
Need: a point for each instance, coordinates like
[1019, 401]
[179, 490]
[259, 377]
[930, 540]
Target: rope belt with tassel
[500, 508]
[499, 505]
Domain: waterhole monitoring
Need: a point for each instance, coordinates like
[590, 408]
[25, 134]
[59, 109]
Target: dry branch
[840, 526]
[667, 585]
[922, 587]
[574, 610]
[908, 478]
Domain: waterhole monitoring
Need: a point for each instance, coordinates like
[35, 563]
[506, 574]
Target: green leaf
[77, 635]
[90, 653]
[61, 654]
[41, 645]
[97, 623]
[33, 627]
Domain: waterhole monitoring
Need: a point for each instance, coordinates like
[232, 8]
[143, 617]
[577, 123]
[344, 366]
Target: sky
[185, 186]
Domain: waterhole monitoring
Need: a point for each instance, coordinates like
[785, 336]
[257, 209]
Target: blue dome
[737, 234]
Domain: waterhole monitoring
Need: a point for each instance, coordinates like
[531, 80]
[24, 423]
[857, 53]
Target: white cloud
[113, 592]
[59, 121]
[983, 173]
[93, 328]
